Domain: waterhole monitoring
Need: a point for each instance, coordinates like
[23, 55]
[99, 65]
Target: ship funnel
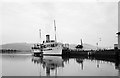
[47, 38]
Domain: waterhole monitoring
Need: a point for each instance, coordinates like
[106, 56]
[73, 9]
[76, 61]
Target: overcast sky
[90, 21]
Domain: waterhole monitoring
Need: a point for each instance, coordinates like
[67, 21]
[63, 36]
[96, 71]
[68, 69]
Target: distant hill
[17, 46]
[27, 46]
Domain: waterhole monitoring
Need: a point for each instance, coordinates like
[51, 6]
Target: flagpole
[55, 30]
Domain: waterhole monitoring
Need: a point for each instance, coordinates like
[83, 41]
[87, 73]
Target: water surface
[28, 65]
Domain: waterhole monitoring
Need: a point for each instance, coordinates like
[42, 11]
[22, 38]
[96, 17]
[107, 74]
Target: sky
[93, 22]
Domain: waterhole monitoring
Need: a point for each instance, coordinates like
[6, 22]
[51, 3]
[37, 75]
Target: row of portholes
[50, 45]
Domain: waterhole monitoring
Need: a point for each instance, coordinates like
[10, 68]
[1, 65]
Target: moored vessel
[48, 47]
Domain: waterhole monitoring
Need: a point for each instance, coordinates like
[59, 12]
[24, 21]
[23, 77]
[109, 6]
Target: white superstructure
[52, 48]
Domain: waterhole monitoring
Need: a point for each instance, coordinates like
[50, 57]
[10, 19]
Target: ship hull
[49, 51]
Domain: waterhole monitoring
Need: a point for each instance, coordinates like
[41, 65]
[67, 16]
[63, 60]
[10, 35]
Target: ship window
[44, 46]
[52, 45]
[56, 44]
[48, 45]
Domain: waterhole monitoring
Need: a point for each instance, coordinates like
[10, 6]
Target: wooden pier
[99, 53]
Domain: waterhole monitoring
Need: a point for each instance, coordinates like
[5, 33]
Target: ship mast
[40, 35]
[55, 30]
[81, 43]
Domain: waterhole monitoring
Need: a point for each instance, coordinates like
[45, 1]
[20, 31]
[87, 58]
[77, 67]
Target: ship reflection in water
[28, 65]
[49, 63]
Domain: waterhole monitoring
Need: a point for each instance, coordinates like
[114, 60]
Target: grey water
[28, 65]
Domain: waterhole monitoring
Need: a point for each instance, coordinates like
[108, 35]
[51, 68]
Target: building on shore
[118, 40]
[117, 46]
